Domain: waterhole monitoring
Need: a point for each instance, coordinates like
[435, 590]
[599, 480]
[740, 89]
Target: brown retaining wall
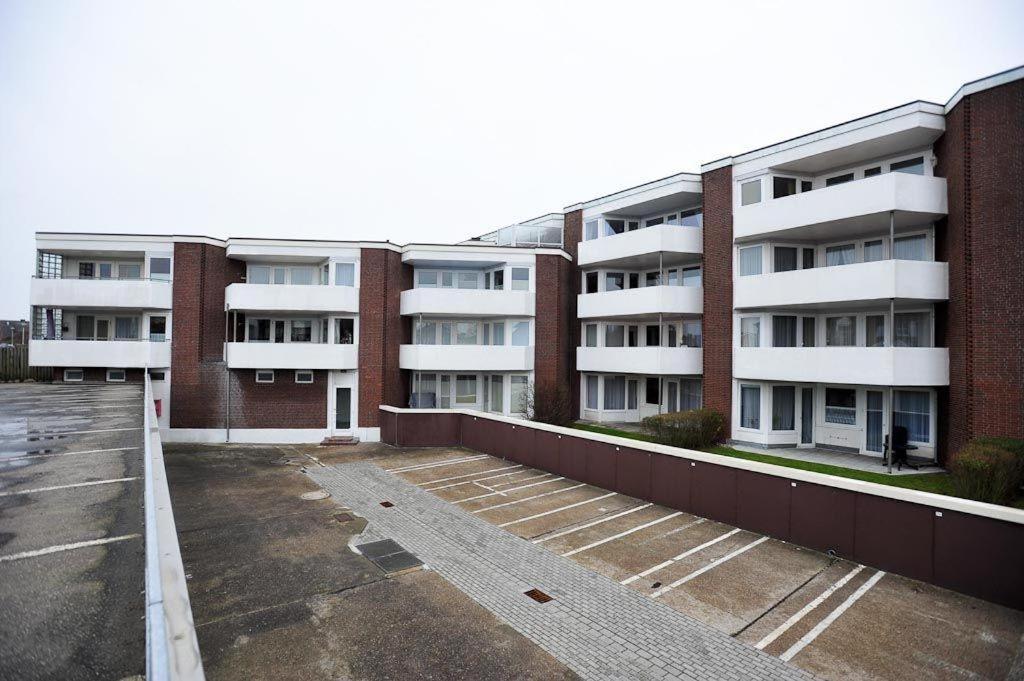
[973, 554]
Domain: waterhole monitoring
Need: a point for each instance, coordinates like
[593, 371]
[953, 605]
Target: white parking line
[710, 566]
[557, 510]
[516, 482]
[536, 496]
[434, 464]
[681, 556]
[22, 436]
[4, 459]
[832, 617]
[489, 477]
[67, 547]
[468, 475]
[785, 626]
[506, 491]
[620, 535]
[56, 487]
[562, 533]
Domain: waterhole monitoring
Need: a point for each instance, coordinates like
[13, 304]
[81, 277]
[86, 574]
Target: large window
[652, 391]
[750, 261]
[750, 406]
[783, 407]
[613, 281]
[783, 186]
[302, 331]
[469, 280]
[160, 269]
[129, 271]
[841, 331]
[517, 405]
[344, 274]
[465, 389]
[465, 333]
[592, 392]
[614, 336]
[591, 282]
[839, 179]
[302, 276]
[785, 258]
[750, 192]
[614, 392]
[590, 230]
[910, 247]
[689, 394]
[840, 255]
[344, 331]
[873, 250]
[914, 166]
[425, 333]
[520, 279]
[783, 331]
[692, 333]
[750, 332]
[653, 336]
[807, 331]
[692, 276]
[912, 410]
[426, 279]
[841, 406]
[259, 331]
[874, 327]
[497, 394]
[158, 329]
[126, 328]
[912, 330]
[498, 337]
[521, 333]
[590, 336]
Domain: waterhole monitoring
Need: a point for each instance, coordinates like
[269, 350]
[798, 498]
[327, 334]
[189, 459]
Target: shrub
[986, 472]
[548, 404]
[694, 429]
[1011, 445]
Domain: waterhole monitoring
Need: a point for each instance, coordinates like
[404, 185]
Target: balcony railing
[642, 247]
[466, 357]
[654, 360]
[467, 302]
[884, 366]
[114, 353]
[647, 300]
[295, 355]
[292, 298]
[137, 294]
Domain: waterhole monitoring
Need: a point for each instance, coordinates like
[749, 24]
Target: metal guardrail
[172, 650]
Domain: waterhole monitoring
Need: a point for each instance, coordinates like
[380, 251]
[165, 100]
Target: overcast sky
[427, 121]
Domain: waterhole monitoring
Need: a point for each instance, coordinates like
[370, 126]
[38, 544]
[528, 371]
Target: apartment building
[819, 292]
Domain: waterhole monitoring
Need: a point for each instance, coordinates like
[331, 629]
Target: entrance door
[343, 408]
[341, 416]
[673, 396]
[873, 437]
[807, 416]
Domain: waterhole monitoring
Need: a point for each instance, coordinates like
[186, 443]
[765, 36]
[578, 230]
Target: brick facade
[717, 263]
[555, 316]
[98, 374]
[572, 234]
[281, 404]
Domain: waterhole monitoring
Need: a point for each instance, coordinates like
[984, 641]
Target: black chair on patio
[900, 445]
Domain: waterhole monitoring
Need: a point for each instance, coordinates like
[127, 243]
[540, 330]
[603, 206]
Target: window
[841, 331]
[839, 179]
[653, 222]
[487, 333]
[259, 330]
[750, 332]
[808, 332]
[115, 375]
[325, 277]
[303, 376]
[653, 336]
[614, 227]
[652, 391]
[693, 332]
[652, 279]
[631, 395]
[783, 186]
[783, 332]
[497, 394]
[912, 330]
[873, 250]
[499, 280]
[591, 282]
[258, 275]
[126, 328]
[444, 393]
[750, 261]
[447, 280]
[633, 225]
[750, 406]
[160, 269]
[302, 331]
[469, 280]
[591, 230]
[74, 375]
[785, 258]
[157, 376]
[426, 279]
[614, 392]
[910, 247]
[344, 274]
[806, 186]
[106, 270]
[465, 333]
[498, 337]
[264, 376]
[425, 333]
[689, 394]
[591, 336]
[520, 279]
[808, 258]
[750, 192]
[85, 327]
[465, 389]
[840, 255]
[592, 392]
[517, 405]
[692, 276]
[345, 331]
[158, 329]
[871, 172]
[673, 277]
[841, 406]
[874, 331]
[912, 410]
[913, 166]
[520, 334]
[671, 330]
[783, 407]
[633, 337]
[614, 336]
[613, 281]
[634, 280]
[692, 218]
[86, 270]
[279, 275]
[129, 271]
[302, 276]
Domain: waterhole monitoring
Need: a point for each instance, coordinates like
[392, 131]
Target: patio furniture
[900, 446]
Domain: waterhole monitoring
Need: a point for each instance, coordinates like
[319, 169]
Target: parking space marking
[785, 626]
[67, 547]
[536, 496]
[435, 464]
[4, 459]
[466, 475]
[563, 533]
[832, 617]
[681, 556]
[710, 566]
[557, 510]
[620, 535]
[57, 487]
[22, 436]
[516, 482]
[506, 491]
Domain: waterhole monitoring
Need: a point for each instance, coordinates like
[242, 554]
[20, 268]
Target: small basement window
[74, 375]
[157, 375]
[264, 376]
[115, 375]
[303, 376]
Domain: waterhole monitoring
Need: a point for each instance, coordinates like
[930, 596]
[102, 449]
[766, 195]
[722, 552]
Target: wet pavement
[71, 518]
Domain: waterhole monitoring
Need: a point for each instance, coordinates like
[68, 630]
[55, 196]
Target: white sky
[427, 121]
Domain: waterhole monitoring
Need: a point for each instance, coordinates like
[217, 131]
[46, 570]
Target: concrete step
[339, 440]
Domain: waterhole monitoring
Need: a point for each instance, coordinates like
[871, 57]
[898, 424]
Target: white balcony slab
[466, 357]
[860, 282]
[468, 302]
[113, 354]
[652, 360]
[134, 294]
[292, 356]
[641, 248]
[635, 302]
[853, 366]
[291, 298]
[858, 207]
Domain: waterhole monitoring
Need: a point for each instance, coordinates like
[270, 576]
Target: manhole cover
[313, 496]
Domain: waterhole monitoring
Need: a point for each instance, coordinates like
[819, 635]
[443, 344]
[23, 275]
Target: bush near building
[694, 429]
[989, 469]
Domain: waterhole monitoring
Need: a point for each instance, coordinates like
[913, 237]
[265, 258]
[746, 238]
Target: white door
[341, 403]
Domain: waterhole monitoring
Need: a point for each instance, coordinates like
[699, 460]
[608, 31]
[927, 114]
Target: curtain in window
[840, 255]
[875, 327]
[591, 392]
[426, 333]
[614, 392]
[689, 394]
[126, 327]
[785, 259]
[750, 406]
[841, 331]
[692, 276]
[912, 330]
[784, 332]
[750, 332]
[424, 391]
[783, 407]
[344, 274]
[498, 337]
[909, 247]
[913, 411]
[521, 333]
[873, 251]
[465, 333]
[302, 276]
[591, 338]
[465, 389]
[614, 336]
[692, 333]
[874, 414]
[750, 261]
[497, 393]
[518, 397]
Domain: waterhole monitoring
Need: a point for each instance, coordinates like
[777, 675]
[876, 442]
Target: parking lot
[828, 616]
[71, 524]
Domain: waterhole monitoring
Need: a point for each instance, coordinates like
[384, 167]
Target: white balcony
[651, 360]
[649, 300]
[466, 357]
[861, 282]
[641, 248]
[467, 302]
[858, 207]
[291, 298]
[116, 354]
[292, 356]
[848, 365]
[134, 294]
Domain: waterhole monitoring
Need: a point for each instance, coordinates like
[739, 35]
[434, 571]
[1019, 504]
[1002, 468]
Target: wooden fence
[14, 366]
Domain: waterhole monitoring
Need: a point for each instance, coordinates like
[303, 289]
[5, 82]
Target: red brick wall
[281, 404]
[98, 374]
[717, 263]
[982, 156]
[382, 329]
[572, 234]
[555, 316]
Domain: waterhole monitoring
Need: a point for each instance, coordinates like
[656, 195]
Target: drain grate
[538, 595]
[389, 556]
[386, 504]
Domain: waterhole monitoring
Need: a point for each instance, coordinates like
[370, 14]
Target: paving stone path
[596, 627]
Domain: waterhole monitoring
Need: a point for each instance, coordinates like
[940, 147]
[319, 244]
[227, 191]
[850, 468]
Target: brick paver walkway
[596, 627]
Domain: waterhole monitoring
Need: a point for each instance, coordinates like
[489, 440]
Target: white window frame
[308, 372]
[81, 376]
[264, 371]
[124, 376]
